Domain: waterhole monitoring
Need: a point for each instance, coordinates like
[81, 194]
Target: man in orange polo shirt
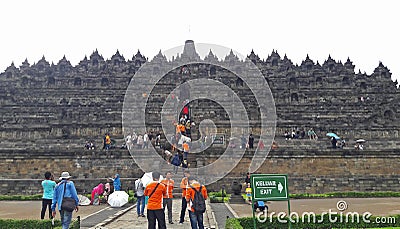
[185, 146]
[184, 185]
[167, 200]
[196, 218]
[155, 191]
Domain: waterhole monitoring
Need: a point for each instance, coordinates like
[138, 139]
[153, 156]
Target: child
[248, 193]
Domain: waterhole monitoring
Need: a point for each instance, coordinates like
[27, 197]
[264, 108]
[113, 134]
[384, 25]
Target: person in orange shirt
[167, 200]
[155, 191]
[184, 185]
[196, 218]
[185, 146]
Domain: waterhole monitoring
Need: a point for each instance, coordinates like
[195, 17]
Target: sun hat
[65, 175]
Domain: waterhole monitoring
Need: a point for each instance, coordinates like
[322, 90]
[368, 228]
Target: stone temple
[50, 110]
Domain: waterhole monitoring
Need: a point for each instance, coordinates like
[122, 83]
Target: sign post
[269, 187]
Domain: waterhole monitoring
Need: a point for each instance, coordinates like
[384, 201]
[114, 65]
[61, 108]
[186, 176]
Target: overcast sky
[366, 31]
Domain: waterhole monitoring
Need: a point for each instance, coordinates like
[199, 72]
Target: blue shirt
[59, 191]
[48, 189]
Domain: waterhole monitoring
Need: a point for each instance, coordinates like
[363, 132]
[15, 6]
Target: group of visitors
[55, 193]
[142, 141]
[297, 133]
[90, 145]
[104, 190]
[247, 143]
[159, 197]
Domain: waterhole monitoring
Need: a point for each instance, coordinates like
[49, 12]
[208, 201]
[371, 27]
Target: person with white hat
[65, 188]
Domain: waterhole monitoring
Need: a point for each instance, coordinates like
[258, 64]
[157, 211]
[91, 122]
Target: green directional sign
[269, 187]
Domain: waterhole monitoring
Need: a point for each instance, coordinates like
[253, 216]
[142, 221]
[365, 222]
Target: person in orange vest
[185, 146]
[167, 200]
[196, 204]
[184, 185]
[155, 191]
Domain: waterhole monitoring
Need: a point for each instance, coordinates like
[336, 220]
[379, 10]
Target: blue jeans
[66, 218]
[196, 220]
[140, 205]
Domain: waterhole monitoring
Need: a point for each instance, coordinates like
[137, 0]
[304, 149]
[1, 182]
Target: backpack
[175, 161]
[199, 204]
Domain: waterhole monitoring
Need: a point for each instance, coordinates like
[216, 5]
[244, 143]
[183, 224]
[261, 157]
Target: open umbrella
[83, 200]
[184, 138]
[148, 177]
[360, 141]
[333, 135]
[118, 199]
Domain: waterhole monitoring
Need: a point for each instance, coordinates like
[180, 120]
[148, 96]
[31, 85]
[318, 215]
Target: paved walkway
[130, 220]
[221, 212]
[103, 216]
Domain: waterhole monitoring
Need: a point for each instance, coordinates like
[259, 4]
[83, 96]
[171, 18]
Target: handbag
[68, 203]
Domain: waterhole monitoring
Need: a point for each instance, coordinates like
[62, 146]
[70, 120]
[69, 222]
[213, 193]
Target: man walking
[155, 191]
[139, 188]
[65, 188]
[195, 197]
[167, 201]
[184, 185]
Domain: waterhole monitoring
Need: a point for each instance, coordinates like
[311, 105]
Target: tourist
[286, 135]
[65, 188]
[107, 142]
[128, 141]
[155, 192]
[146, 140]
[117, 183]
[96, 192]
[167, 199]
[184, 186]
[158, 139]
[248, 193]
[186, 149]
[333, 141]
[167, 156]
[247, 179]
[261, 145]
[196, 215]
[302, 134]
[243, 142]
[251, 141]
[185, 165]
[108, 188]
[260, 205]
[140, 142]
[176, 162]
[48, 185]
[139, 191]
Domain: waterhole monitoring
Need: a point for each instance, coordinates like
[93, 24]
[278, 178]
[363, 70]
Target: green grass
[216, 197]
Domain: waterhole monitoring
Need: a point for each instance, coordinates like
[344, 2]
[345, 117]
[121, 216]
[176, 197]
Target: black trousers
[183, 210]
[45, 203]
[156, 215]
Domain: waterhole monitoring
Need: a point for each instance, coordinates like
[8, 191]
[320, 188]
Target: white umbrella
[148, 177]
[184, 138]
[118, 198]
[83, 200]
[360, 141]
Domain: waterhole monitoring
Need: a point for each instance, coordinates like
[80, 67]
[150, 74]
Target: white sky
[363, 30]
